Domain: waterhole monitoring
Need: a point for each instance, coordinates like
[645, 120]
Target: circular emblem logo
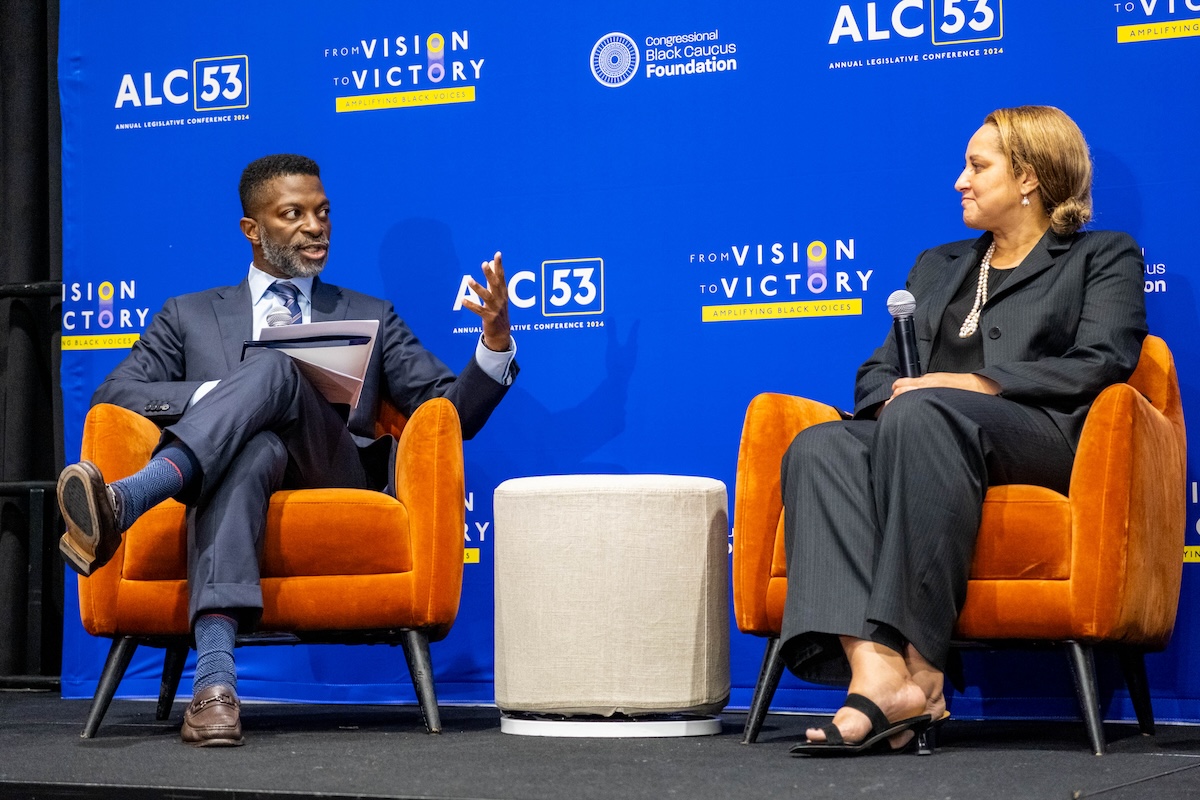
[614, 59]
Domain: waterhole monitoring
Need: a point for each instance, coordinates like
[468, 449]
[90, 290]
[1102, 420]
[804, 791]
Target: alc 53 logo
[212, 84]
[947, 21]
[565, 287]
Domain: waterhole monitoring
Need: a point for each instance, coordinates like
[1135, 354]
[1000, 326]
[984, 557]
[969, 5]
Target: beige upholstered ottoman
[612, 605]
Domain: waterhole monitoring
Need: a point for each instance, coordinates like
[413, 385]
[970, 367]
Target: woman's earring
[1024, 200]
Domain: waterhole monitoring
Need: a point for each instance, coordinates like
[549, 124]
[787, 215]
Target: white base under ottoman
[610, 728]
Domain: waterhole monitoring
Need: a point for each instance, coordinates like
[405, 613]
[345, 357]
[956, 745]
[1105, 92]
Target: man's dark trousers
[261, 429]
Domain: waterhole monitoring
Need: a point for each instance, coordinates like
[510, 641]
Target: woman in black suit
[1019, 330]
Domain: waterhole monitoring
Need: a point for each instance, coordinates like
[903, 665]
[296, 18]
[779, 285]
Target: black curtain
[31, 440]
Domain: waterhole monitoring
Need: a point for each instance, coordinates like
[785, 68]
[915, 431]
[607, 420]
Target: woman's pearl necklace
[971, 323]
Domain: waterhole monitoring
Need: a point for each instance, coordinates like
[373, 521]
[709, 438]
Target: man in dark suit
[235, 430]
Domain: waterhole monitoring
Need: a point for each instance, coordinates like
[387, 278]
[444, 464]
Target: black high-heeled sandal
[882, 729]
[927, 739]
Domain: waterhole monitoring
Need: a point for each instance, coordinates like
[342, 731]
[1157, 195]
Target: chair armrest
[429, 482]
[1128, 493]
[119, 442]
[772, 421]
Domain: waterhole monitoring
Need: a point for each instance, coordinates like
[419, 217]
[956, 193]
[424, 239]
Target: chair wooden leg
[119, 656]
[416, 652]
[172, 672]
[1133, 665]
[1083, 665]
[764, 690]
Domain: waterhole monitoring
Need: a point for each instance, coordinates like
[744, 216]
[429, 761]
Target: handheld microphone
[901, 305]
[279, 316]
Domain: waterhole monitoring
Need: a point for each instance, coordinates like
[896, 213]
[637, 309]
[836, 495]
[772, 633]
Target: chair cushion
[304, 537]
[1025, 535]
[305, 530]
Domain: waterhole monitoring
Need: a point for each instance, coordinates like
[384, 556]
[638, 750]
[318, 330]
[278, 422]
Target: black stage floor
[383, 751]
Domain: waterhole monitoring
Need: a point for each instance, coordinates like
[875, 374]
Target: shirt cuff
[497, 366]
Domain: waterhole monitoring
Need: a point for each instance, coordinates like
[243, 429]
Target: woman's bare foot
[881, 675]
[930, 679]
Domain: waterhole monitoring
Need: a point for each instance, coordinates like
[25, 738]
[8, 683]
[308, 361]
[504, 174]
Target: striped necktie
[287, 294]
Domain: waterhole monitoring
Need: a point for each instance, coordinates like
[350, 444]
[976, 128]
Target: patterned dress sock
[167, 474]
[214, 652]
[181, 456]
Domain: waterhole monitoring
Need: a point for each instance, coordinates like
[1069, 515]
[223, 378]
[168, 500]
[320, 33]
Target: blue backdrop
[696, 202]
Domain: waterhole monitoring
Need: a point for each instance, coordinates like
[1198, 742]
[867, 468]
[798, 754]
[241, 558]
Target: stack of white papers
[333, 355]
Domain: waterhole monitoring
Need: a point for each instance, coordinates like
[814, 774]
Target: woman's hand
[946, 380]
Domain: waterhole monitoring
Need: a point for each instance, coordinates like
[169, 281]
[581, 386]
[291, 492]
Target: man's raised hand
[494, 308]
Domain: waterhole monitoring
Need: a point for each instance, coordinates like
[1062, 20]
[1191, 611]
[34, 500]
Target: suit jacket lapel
[328, 302]
[956, 273]
[1040, 259]
[233, 309]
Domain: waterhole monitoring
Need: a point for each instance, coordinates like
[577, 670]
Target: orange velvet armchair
[1100, 566]
[338, 565]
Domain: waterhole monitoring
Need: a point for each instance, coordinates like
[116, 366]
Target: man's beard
[287, 258]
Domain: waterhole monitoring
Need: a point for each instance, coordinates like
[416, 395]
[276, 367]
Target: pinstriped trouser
[882, 515]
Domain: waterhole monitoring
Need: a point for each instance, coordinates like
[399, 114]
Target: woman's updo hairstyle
[1046, 140]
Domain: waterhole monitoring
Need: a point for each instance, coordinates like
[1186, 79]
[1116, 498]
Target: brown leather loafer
[213, 718]
[87, 507]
